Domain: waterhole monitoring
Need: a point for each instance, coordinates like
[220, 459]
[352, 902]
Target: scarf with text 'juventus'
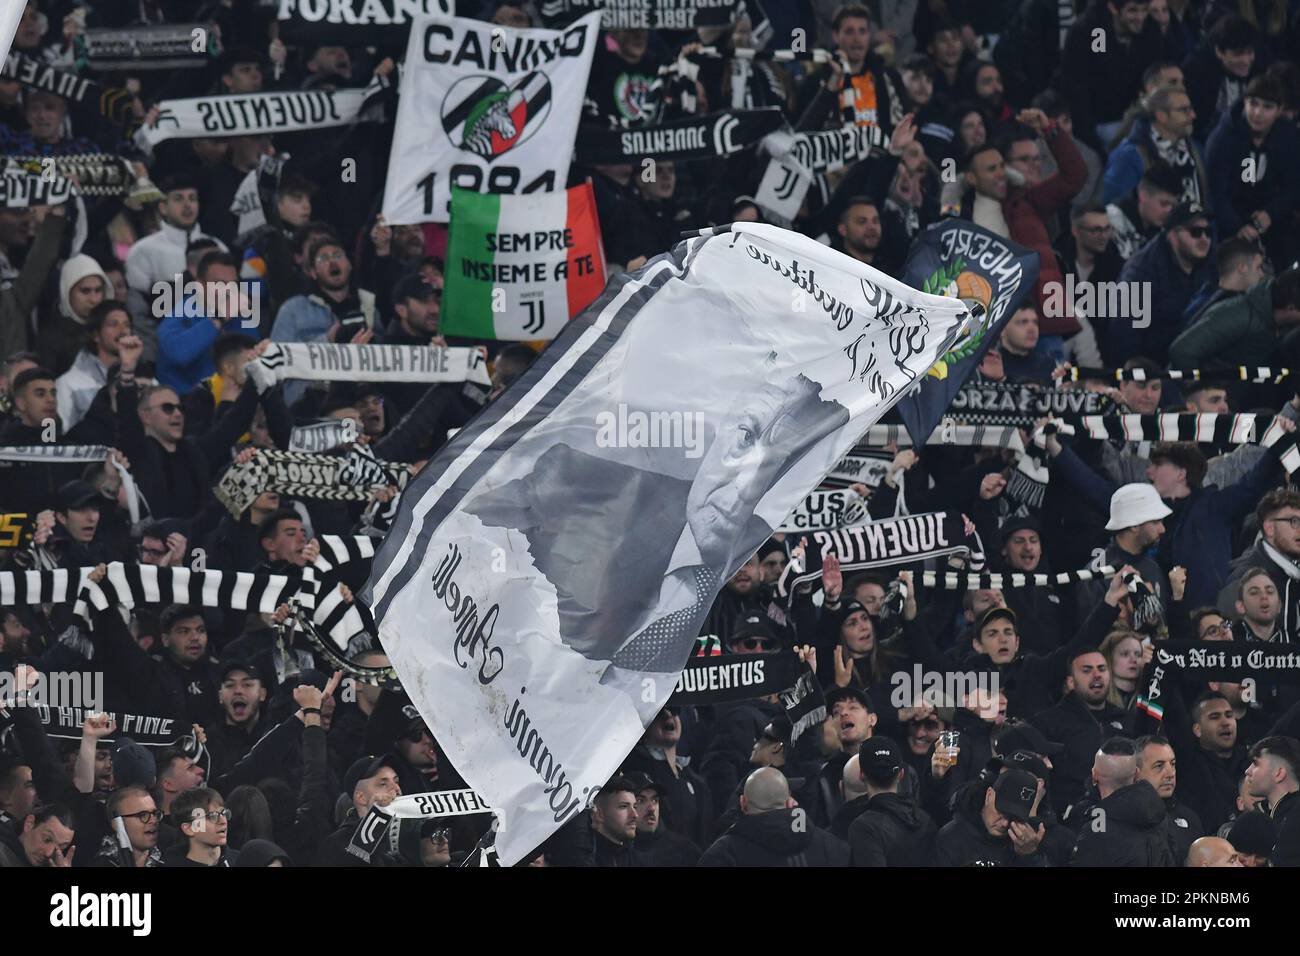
[903, 540]
[376, 834]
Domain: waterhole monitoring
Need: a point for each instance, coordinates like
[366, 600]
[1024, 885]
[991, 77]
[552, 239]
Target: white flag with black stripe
[549, 570]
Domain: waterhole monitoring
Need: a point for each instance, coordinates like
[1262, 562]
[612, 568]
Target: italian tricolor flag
[519, 267]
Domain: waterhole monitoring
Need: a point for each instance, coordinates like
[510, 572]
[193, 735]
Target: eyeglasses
[754, 643]
[215, 815]
[1198, 232]
[1293, 521]
[1220, 628]
[439, 835]
[167, 408]
[144, 816]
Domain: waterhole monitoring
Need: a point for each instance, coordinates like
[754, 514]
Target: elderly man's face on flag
[753, 446]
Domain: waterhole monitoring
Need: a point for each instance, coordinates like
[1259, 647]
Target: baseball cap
[413, 286]
[837, 694]
[1025, 523]
[363, 768]
[78, 494]
[992, 614]
[237, 664]
[643, 781]
[1014, 794]
[1134, 504]
[753, 625]
[1021, 735]
[1024, 760]
[133, 764]
[879, 757]
[1186, 212]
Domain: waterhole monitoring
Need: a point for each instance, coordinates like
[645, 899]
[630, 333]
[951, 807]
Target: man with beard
[613, 824]
[398, 251]
[417, 309]
[77, 387]
[868, 92]
[1211, 760]
[1157, 765]
[1082, 720]
[330, 311]
[862, 234]
[241, 698]
[1164, 134]
[688, 809]
[655, 844]
[1174, 265]
[983, 83]
[1277, 551]
[744, 597]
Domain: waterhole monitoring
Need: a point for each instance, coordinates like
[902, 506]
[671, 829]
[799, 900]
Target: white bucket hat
[1134, 504]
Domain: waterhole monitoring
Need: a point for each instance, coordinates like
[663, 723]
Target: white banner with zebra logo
[486, 108]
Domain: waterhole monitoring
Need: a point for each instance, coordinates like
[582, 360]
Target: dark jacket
[1173, 290]
[892, 832]
[664, 848]
[606, 852]
[687, 803]
[964, 841]
[776, 838]
[1136, 154]
[819, 108]
[1286, 823]
[1230, 334]
[846, 815]
[177, 484]
[1198, 535]
[1126, 829]
[1100, 85]
[1276, 185]
[159, 685]
[1082, 731]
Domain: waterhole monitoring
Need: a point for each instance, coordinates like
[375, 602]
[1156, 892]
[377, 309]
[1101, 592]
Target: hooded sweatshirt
[776, 838]
[64, 335]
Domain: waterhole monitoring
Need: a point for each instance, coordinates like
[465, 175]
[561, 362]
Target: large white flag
[548, 572]
[486, 108]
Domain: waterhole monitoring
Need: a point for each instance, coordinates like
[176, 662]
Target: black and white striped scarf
[349, 477]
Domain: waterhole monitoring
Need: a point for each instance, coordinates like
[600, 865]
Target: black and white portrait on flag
[546, 578]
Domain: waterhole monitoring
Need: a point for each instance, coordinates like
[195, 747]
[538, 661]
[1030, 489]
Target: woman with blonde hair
[1127, 657]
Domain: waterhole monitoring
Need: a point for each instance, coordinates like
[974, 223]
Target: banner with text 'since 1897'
[549, 570]
[486, 108]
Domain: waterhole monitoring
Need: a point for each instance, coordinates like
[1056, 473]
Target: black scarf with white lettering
[113, 103]
[729, 677]
[1231, 661]
[1004, 403]
[647, 15]
[893, 541]
[696, 137]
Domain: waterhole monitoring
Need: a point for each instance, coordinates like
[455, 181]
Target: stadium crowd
[1145, 142]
